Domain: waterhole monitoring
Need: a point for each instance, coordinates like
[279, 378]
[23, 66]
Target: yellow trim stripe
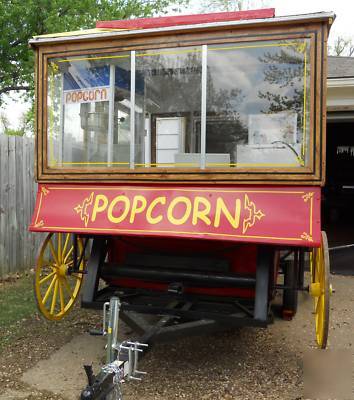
[92, 58]
[175, 188]
[52, 160]
[194, 50]
[173, 52]
[304, 104]
[82, 32]
[180, 164]
[254, 46]
[39, 208]
[57, 228]
[311, 210]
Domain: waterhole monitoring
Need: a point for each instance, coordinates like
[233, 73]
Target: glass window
[257, 104]
[89, 112]
[168, 104]
[144, 108]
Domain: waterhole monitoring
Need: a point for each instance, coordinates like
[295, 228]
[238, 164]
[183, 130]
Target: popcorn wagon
[180, 162]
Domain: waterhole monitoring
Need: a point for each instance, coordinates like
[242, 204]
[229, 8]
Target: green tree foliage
[7, 130]
[20, 20]
[284, 70]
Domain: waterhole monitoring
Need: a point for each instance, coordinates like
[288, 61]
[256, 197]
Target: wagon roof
[185, 23]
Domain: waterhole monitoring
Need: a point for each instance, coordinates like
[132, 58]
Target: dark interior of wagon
[338, 194]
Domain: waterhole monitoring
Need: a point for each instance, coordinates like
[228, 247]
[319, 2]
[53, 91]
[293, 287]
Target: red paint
[241, 258]
[160, 22]
[273, 215]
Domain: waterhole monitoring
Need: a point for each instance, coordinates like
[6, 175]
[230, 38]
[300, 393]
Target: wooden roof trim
[176, 20]
[114, 33]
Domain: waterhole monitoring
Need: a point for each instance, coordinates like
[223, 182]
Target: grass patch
[17, 304]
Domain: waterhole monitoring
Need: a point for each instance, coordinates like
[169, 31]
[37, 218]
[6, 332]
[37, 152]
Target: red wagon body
[186, 156]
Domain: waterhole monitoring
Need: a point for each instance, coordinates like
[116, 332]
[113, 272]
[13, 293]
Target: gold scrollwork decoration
[253, 214]
[45, 191]
[307, 237]
[300, 47]
[83, 209]
[39, 224]
[307, 196]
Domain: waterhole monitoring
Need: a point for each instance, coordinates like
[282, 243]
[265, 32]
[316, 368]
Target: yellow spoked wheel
[55, 289]
[320, 290]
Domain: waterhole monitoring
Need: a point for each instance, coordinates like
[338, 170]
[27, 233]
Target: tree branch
[16, 42]
[7, 89]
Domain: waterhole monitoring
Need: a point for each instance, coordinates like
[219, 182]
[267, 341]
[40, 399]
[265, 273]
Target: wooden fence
[18, 247]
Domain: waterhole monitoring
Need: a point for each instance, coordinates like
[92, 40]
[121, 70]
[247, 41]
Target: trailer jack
[121, 360]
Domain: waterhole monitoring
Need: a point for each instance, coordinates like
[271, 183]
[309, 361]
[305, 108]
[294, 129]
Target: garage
[338, 194]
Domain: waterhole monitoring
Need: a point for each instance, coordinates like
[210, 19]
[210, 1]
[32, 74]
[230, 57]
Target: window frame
[311, 174]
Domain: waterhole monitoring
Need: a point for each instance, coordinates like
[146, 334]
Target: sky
[344, 10]
[343, 26]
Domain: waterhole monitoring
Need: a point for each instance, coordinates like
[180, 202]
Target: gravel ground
[38, 340]
[248, 363]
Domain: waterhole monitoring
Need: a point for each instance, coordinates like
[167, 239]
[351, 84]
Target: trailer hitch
[121, 360]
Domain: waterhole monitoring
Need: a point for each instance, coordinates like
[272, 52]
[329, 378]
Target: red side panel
[160, 22]
[241, 258]
[250, 214]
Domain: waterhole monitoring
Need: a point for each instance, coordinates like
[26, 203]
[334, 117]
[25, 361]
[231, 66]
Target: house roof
[340, 67]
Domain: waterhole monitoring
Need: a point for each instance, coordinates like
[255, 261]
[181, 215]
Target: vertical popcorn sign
[87, 95]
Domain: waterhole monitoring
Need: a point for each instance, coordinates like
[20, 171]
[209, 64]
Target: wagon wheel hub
[62, 270]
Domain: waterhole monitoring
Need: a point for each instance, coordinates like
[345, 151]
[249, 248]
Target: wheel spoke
[47, 277]
[59, 247]
[69, 253]
[67, 287]
[65, 245]
[312, 265]
[61, 296]
[320, 323]
[319, 268]
[322, 273]
[319, 305]
[52, 250]
[317, 262]
[54, 298]
[47, 293]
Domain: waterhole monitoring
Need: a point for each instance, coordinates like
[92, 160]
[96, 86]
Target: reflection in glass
[257, 103]
[168, 102]
[257, 108]
[88, 112]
